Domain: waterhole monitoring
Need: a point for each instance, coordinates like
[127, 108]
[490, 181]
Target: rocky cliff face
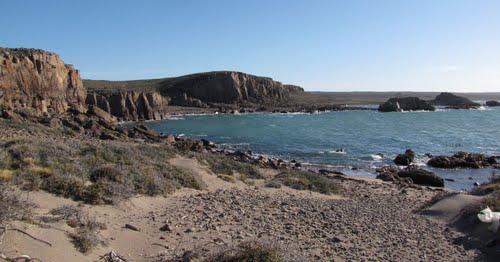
[131, 105]
[226, 87]
[399, 104]
[39, 79]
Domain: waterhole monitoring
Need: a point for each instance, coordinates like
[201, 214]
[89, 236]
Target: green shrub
[225, 165]
[306, 180]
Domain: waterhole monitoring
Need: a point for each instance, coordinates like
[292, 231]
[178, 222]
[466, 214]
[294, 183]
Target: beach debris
[488, 216]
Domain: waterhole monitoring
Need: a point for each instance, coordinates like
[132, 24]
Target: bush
[87, 235]
[306, 180]
[104, 172]
[13, 206]
[249, 252]
[222, 164]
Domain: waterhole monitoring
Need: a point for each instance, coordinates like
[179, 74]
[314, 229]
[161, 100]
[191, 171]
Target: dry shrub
[87, 227]
[13, 206]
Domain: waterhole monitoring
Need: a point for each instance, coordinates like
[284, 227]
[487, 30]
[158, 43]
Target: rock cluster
[409, 175]
[463, 160]
[398, 104]
[452, 101]
[492, 103]
[131, 105]
[33, 78]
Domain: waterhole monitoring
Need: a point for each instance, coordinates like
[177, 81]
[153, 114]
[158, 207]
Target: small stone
[166, 228]
[132, 227]
[189, 230]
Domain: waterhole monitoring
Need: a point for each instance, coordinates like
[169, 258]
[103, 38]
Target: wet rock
[399, 104]
[422, 177]
[405, 159]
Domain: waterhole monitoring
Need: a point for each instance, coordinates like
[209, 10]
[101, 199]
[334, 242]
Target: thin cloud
[445, 68]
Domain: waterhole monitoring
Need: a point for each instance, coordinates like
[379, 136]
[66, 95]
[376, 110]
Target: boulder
[398, 104]
[422, 177]
[492, 103]
[38, 79]
[405, 159]
[453, 101]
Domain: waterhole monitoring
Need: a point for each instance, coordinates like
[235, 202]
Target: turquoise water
[314, 138]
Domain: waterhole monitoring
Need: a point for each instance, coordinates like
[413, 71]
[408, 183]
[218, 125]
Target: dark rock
[72, 124]
[454, 101]
[422, 177]
[107, 136]
[492, 103]
[476, 184]
[462, 160]
[405, 159]
[9, 114]
[450, 179]
[166, 228]
[405, 104]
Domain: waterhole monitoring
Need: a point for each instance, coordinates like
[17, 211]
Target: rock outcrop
[409, 175]
[463, 160]
[405, 159]
[38, 79]
[453, 101]
[398, 104]
[492, 103]
[225, 88]
[294, 88]
[131, 105]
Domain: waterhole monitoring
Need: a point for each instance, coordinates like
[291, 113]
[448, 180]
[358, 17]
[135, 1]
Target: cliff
[130, 105]
[398, 104]
[224, 87]
[39, 79]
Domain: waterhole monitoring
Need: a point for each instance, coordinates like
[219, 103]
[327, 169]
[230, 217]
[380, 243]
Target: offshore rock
[492, 103]
[34, 78]
[453, 101]
[399, 104]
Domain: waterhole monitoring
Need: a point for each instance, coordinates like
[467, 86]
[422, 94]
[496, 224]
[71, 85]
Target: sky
[321, 45]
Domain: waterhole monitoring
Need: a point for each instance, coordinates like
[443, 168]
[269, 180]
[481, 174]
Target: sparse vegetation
[306, 180]
[95, 172]
[13, 206]
[224, 166]
[250, 251]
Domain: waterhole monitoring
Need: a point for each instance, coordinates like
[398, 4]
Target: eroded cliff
[225, 87]
[130, 105]
[40, 80]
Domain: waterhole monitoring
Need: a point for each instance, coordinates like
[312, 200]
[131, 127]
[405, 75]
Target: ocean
[351, 141]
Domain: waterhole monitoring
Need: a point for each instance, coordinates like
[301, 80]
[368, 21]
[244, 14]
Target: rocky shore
[75, 185]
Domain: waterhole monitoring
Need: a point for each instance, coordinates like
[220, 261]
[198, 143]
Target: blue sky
[323, 45]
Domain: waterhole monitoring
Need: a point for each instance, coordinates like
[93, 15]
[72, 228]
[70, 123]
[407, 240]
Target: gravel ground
[373, 222]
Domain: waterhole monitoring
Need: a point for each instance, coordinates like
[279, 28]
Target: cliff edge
[40, 80]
